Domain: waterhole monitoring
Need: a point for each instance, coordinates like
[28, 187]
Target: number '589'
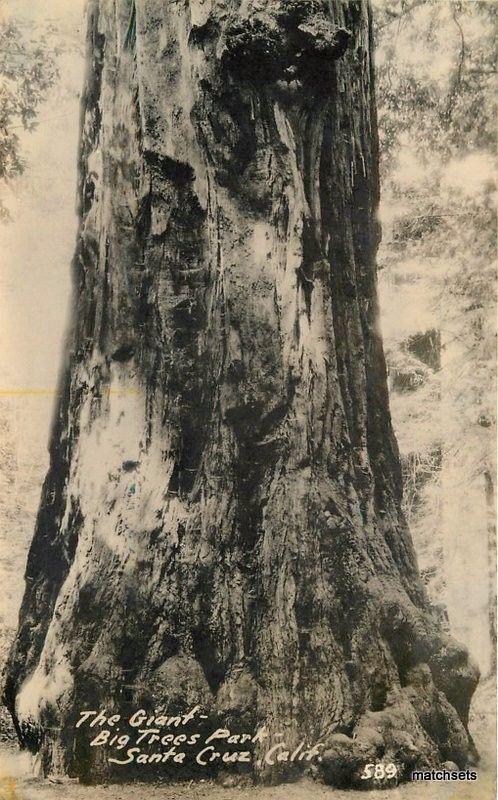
[378, 771]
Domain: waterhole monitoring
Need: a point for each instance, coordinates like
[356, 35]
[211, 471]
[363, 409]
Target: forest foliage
[29, 68]
[436, 82]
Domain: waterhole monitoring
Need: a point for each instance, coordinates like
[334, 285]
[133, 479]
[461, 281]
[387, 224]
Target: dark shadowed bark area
[221, 521]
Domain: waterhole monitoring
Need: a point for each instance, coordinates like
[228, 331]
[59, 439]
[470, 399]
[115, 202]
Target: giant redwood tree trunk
[221, 520]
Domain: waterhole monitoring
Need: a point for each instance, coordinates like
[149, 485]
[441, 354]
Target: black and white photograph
[248, 399]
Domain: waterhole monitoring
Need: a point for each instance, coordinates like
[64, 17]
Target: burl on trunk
[221, 521]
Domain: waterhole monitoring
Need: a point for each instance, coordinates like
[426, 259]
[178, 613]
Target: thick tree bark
[221, 521]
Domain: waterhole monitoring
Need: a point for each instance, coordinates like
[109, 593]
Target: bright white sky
[69, 11]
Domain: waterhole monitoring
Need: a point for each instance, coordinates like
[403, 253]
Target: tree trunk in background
[490, 494]
[221, 521]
